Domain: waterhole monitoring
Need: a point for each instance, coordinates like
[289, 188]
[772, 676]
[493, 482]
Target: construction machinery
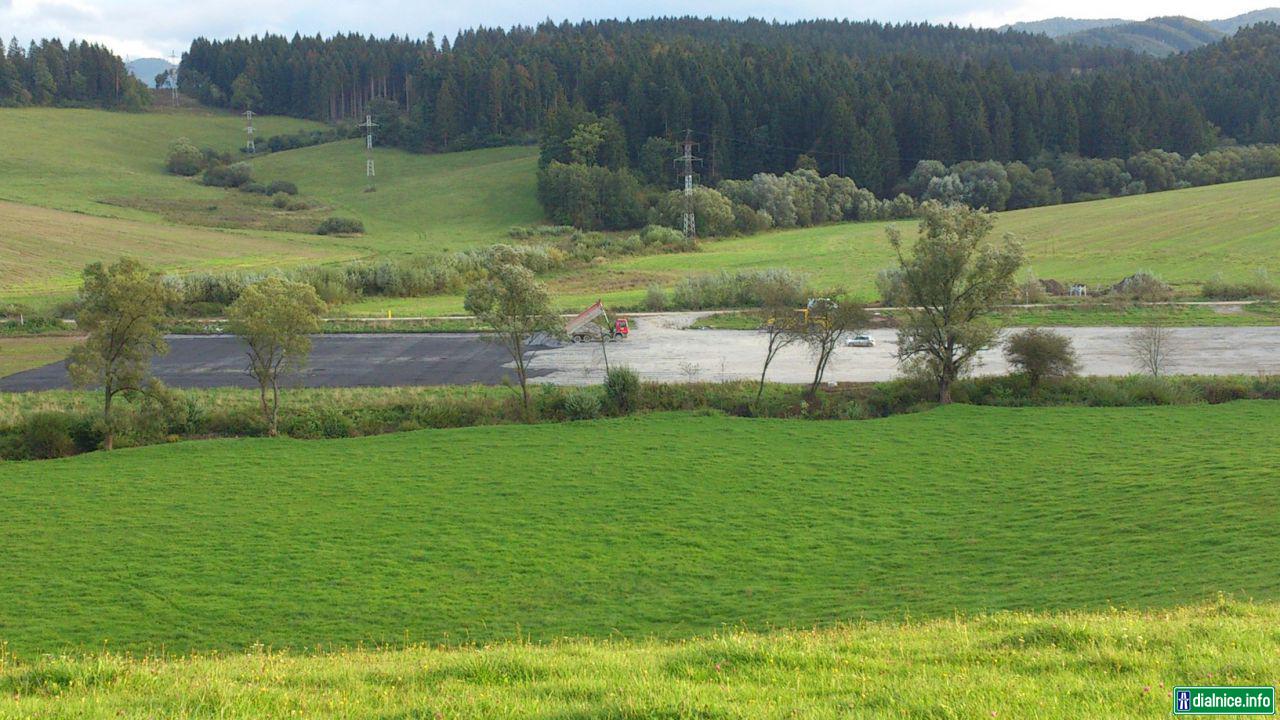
[583, 327]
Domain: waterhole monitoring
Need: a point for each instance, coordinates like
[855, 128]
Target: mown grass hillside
[661, 525]
[1105, 664]
[423, 203]
[1185, 236]
[112, 165]
[43, 251]
[87, 185]
[79, 159]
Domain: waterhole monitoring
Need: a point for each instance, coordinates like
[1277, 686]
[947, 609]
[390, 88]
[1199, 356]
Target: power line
[248, 128]
[368, 125]
[685, 164]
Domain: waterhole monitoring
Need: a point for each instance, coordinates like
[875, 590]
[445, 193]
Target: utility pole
[248, 128]
[173, 76]
[368, 126]
[684, 163]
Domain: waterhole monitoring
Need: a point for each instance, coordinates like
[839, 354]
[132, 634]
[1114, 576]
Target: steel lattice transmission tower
[248, 128]
[173, 76]
[368, 126]
[684, 165]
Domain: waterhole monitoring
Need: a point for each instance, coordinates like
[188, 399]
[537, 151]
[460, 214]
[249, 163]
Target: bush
[1260, 287]
[742, 289]
[582, 404]
[655, 298]
[622, 390]
[1143, 286]
[233, 175]
[184, 158]
[1040, 354]
[340, 226]
[280, 201]
[47, 435]
[255, 188]
[282, 186]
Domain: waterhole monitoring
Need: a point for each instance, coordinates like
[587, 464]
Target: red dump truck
[584, 328]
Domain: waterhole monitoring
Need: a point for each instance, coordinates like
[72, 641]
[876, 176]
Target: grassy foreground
[1107, 664]
[663, 525]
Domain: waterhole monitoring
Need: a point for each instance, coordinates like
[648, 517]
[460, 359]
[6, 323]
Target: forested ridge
[77, 73]
[864, 99]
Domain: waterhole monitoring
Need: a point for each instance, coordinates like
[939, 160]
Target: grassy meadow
[110, 166]
[423, 203]
[18, 353]
[661, 526]
[1106, 664]
[111, 196]
[1185, 236]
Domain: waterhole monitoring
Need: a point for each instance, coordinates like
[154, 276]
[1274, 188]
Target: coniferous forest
[74, 74]
[862, 99]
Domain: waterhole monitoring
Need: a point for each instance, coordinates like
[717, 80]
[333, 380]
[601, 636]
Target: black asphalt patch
[382, 360]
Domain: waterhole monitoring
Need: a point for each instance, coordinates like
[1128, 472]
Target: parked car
[860, 341]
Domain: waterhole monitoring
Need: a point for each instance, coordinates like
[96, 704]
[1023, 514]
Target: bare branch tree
[1152, 349]
[826, 325]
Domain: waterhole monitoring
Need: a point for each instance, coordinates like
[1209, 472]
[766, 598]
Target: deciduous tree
[509, 300]
[121, 308]
[825, 325]
[276, 319]
[952, 279]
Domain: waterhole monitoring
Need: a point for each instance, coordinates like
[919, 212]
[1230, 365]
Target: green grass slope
[662, 525]
[423, 203]
[108, 168]
[1101, 665]
[1185, 236]
[75, 159]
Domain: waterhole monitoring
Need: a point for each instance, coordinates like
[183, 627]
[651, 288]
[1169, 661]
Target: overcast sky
[150, 28]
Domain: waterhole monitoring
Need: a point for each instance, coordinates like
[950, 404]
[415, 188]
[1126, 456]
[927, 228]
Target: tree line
[77, 73]
[864, 100]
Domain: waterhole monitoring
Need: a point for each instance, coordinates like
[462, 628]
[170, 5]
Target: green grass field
[1106, 665]
[664, 526]
[1185, 236]
[23, 353]
[423, 203]
[86, 185]
[110, 165]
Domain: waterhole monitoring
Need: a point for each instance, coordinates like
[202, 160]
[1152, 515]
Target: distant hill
[146, 69]
[1230, 25]
[1159, 36]
[1059, 26]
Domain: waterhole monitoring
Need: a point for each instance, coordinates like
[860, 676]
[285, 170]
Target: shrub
[622, 390]
[741, 289]
[280, 201]
[892, 289]
[184, 158]
[1040, 354]
[582, 404]
[1143, 286]
[1259, 286]
[655, 298]
[282, 186]
[47, 435]
[340, 226]
[233, 175]
[255, 188]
